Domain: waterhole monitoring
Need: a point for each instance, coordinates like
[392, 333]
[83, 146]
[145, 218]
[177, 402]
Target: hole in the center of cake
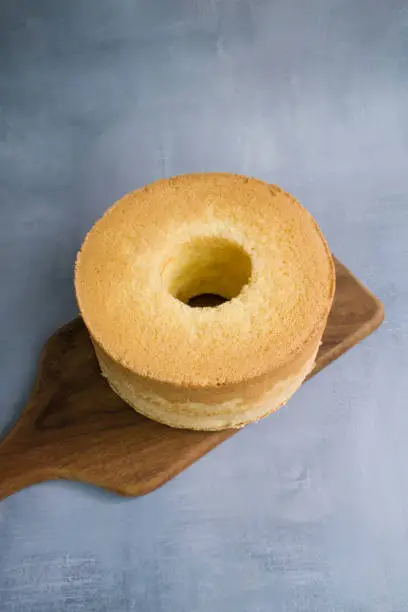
[207, 272]
[206, 300]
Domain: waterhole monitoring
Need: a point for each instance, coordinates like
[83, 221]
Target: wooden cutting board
[74, 427]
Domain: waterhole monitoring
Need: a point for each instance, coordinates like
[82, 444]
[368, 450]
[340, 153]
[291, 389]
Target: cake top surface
[159, 247]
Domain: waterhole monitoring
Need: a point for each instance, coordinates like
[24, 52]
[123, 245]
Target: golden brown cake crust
[270, 326]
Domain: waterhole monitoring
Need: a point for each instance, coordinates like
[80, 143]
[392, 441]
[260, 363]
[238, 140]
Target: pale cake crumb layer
[148, 254]
[231, 413]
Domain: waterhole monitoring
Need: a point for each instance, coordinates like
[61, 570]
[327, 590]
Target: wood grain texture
[74, 427]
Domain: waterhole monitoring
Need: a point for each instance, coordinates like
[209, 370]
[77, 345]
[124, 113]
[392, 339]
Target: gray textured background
[309, 509]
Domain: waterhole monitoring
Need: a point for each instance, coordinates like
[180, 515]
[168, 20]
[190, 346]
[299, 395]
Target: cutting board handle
[22, 463]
